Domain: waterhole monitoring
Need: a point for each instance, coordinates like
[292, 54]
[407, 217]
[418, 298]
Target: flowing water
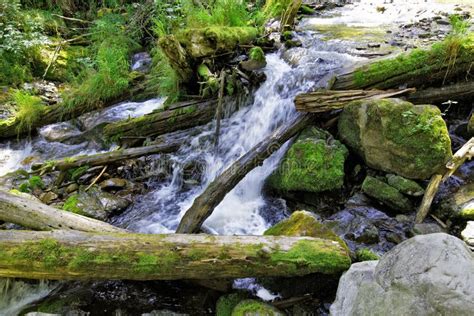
[244, 210]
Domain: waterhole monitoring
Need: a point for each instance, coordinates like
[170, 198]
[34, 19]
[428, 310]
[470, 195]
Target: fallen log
[65, 255]
[464, 153]
[57, 113]
[177, 117]
[105, 158]
[435, 66]
[327, 100]
[455, 92]
[36, 215]
[289, 15]
[204, 204]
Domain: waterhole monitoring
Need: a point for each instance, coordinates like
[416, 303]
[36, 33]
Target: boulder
[313, 163]
[386, 194]
[468, 234]
[95, 203]
[425, 275]
[254, 307]
[458, 205]
[396, 136]
[226, 303]
[256, 60]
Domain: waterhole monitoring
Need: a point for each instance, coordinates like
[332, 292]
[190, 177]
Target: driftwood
[177, 117]
[464, 153]
[62, 255]
[36, 215]
[56, 113]
[327, 100]
[205, 203]
[106, 158]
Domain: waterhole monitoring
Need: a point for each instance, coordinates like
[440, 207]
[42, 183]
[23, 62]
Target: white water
[15, 295]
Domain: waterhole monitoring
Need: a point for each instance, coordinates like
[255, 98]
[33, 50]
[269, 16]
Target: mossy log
[36, 215]
[419, 68]
[204, 204]
[211, 41]
[177, 57]
[57, 113]
[327, 100]
[106, 158]
[177, 117]
[63, 255]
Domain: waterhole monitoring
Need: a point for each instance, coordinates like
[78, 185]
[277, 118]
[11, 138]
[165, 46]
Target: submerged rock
[254, 307]
[396, 136]
[386, 194]
[314, 163]
[425, 275]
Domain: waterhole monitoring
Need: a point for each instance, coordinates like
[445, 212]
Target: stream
[245, 210]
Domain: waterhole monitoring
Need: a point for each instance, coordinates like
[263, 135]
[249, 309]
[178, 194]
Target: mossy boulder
[254, 307]
[396, 136]
[314, 163]
[386, 194]
[256, 60]
[226, 303]
[405, 186]
[458, 205]
[203, 42]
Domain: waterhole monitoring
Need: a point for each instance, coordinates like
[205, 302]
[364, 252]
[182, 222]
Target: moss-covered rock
[254, 307]
[405, 186]
[458, 205]
[314, 163]
[202, 42]
[365, 254]
[302, 223]
[256, 60]
[386, 194]
[226, 303]
[396, 136]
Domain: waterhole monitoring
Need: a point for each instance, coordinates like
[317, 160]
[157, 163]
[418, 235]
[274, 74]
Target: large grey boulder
[425, 275]
[396, 136]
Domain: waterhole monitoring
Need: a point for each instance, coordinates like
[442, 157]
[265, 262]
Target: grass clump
[29, 109]
[365, 254]
[70, 205]
[222, 13]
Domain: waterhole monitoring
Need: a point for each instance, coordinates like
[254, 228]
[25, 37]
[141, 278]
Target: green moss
[467, 212]
[314, 256]
[257, 54]
[314, 163]
[76, 173]
[225, 304]
[307, 10]
[254, 307]
[386, 194]
[406, 186]
[440, 57]
[366, 254]
[70, 205]
[34, 182]
[29, 109]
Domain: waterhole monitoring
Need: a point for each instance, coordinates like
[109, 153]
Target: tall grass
[29, 109]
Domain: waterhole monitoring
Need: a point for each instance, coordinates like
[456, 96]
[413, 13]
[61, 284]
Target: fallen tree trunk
[177, 117]
[106, 158]
[216, 191]
[62, 255]
[435, 66]
[36, 215]
[454, 92]
[327, 100]
[57, 113]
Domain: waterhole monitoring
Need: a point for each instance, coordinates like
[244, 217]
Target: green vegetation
[76, 173]
[70, 205]
[254, 307]
[29, 109]
[257, 54]
[34, 182]
[226, 303]
[314, 163]
[365, 254]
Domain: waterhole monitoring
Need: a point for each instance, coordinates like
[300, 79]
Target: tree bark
[327, 100]
[216, 191]
[179, 116]
[62, 255]
[56, 113]
[106, 158]
[36, 215]
[454, 92]
[289, 15]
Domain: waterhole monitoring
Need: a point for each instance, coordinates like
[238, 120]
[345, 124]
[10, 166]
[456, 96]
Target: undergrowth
[29, 109]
